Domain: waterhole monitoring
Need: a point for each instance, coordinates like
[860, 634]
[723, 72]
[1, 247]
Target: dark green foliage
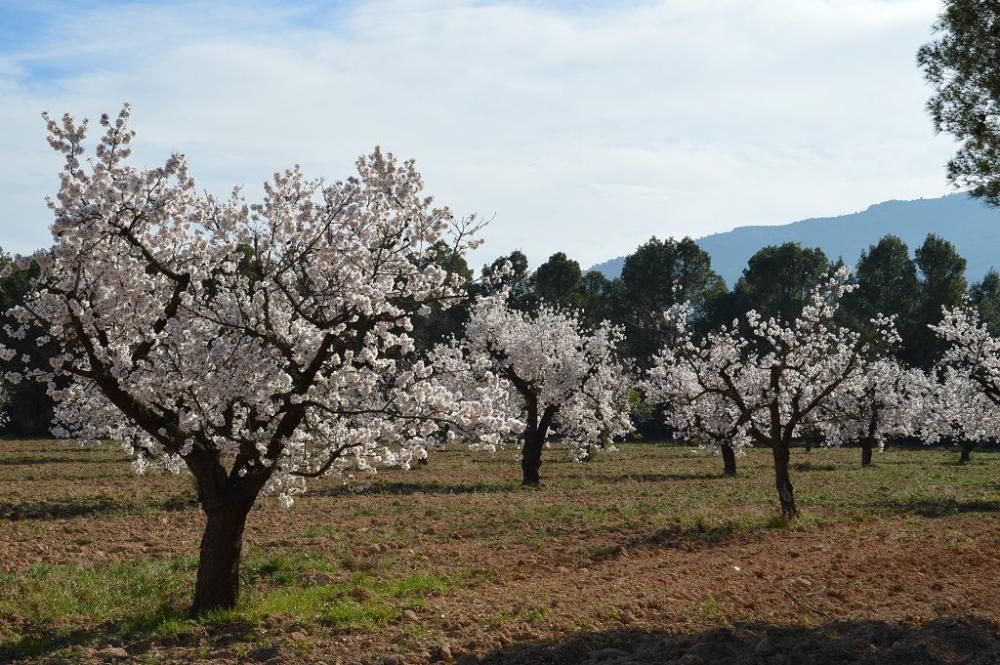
[440, 324]
[887, 282]
[985, 296]
[915, 290]
[559, 282]
[518, 280]
[942, 284]
[597, 298]
[962, 64]
[779, 279]
[29, 408]
[659, 274]
[518, 268]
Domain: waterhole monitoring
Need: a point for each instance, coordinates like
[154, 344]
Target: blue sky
[583, 127]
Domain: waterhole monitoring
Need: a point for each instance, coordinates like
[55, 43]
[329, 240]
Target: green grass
[122, 593]
[149, 598]
[360, 601]
[529, 614]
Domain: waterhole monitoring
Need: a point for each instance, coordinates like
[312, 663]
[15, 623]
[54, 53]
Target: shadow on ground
[955, 640]
[948, 640]
[652, 477]
[110, 635]
[405, 488]
[939, 507]
[808, 467]
[29, 460]
[47, 510]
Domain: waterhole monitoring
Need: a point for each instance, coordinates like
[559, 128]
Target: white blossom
[885, 399]
[965, 402]
[271, 336]
[765, 388]
[558, 375]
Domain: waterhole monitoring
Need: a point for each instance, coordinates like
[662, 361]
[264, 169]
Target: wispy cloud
[585, 127]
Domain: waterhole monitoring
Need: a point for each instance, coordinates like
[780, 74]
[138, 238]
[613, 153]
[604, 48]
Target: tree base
[218, 583]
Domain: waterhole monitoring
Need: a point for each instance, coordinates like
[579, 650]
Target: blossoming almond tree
[958, 411]
[965, 405]
[774, 386]
[255, 345]
[708, 418]
[559, 374]
[884, 399]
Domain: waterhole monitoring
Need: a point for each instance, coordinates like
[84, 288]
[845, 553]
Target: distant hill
[966, 222]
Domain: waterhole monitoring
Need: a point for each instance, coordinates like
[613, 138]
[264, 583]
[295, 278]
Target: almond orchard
[294, 346]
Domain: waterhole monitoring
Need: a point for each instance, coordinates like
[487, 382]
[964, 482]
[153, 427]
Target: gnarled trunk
[218, 582]
[866, 453]
[531, 460]
[534, 441]
[226, 501]
[868, 441]
[966, 453]
[531, 451]
[782, 481]
[728, 459]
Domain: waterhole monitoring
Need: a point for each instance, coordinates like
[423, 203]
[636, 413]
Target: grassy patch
[528, 614]
[81, 605]
[124, 593]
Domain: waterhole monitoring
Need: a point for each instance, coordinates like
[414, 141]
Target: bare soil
[648, 555]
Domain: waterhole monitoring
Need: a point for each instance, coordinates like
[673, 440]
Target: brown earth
[643, 557]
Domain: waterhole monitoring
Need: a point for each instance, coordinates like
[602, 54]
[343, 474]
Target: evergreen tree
[962, 64]
[985, 297]
[942, 285]
[779, 280]
[887, 282]
[658, 275]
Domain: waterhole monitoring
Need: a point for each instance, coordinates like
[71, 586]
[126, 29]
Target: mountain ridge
[972, 226]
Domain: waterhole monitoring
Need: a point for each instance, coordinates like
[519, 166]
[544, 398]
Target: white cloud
[583, 130]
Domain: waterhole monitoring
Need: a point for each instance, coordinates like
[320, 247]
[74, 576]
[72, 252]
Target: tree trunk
[729, 459]
[534, 441]
[218, 583]
[531, 451]
[966, 453]
[866, 453]
[783, 482]
[531, 459]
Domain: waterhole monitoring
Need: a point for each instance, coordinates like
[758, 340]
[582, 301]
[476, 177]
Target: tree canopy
[779, 279]
[658, 275]
[962, 64]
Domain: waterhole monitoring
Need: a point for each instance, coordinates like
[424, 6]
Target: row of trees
[777, 282]
[815, 377]
[758, 381]
[331, 328]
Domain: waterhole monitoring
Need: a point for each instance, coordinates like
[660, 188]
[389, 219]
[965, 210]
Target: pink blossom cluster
[965, 401]
[780, 381]
[257, 344]
[554, 369]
